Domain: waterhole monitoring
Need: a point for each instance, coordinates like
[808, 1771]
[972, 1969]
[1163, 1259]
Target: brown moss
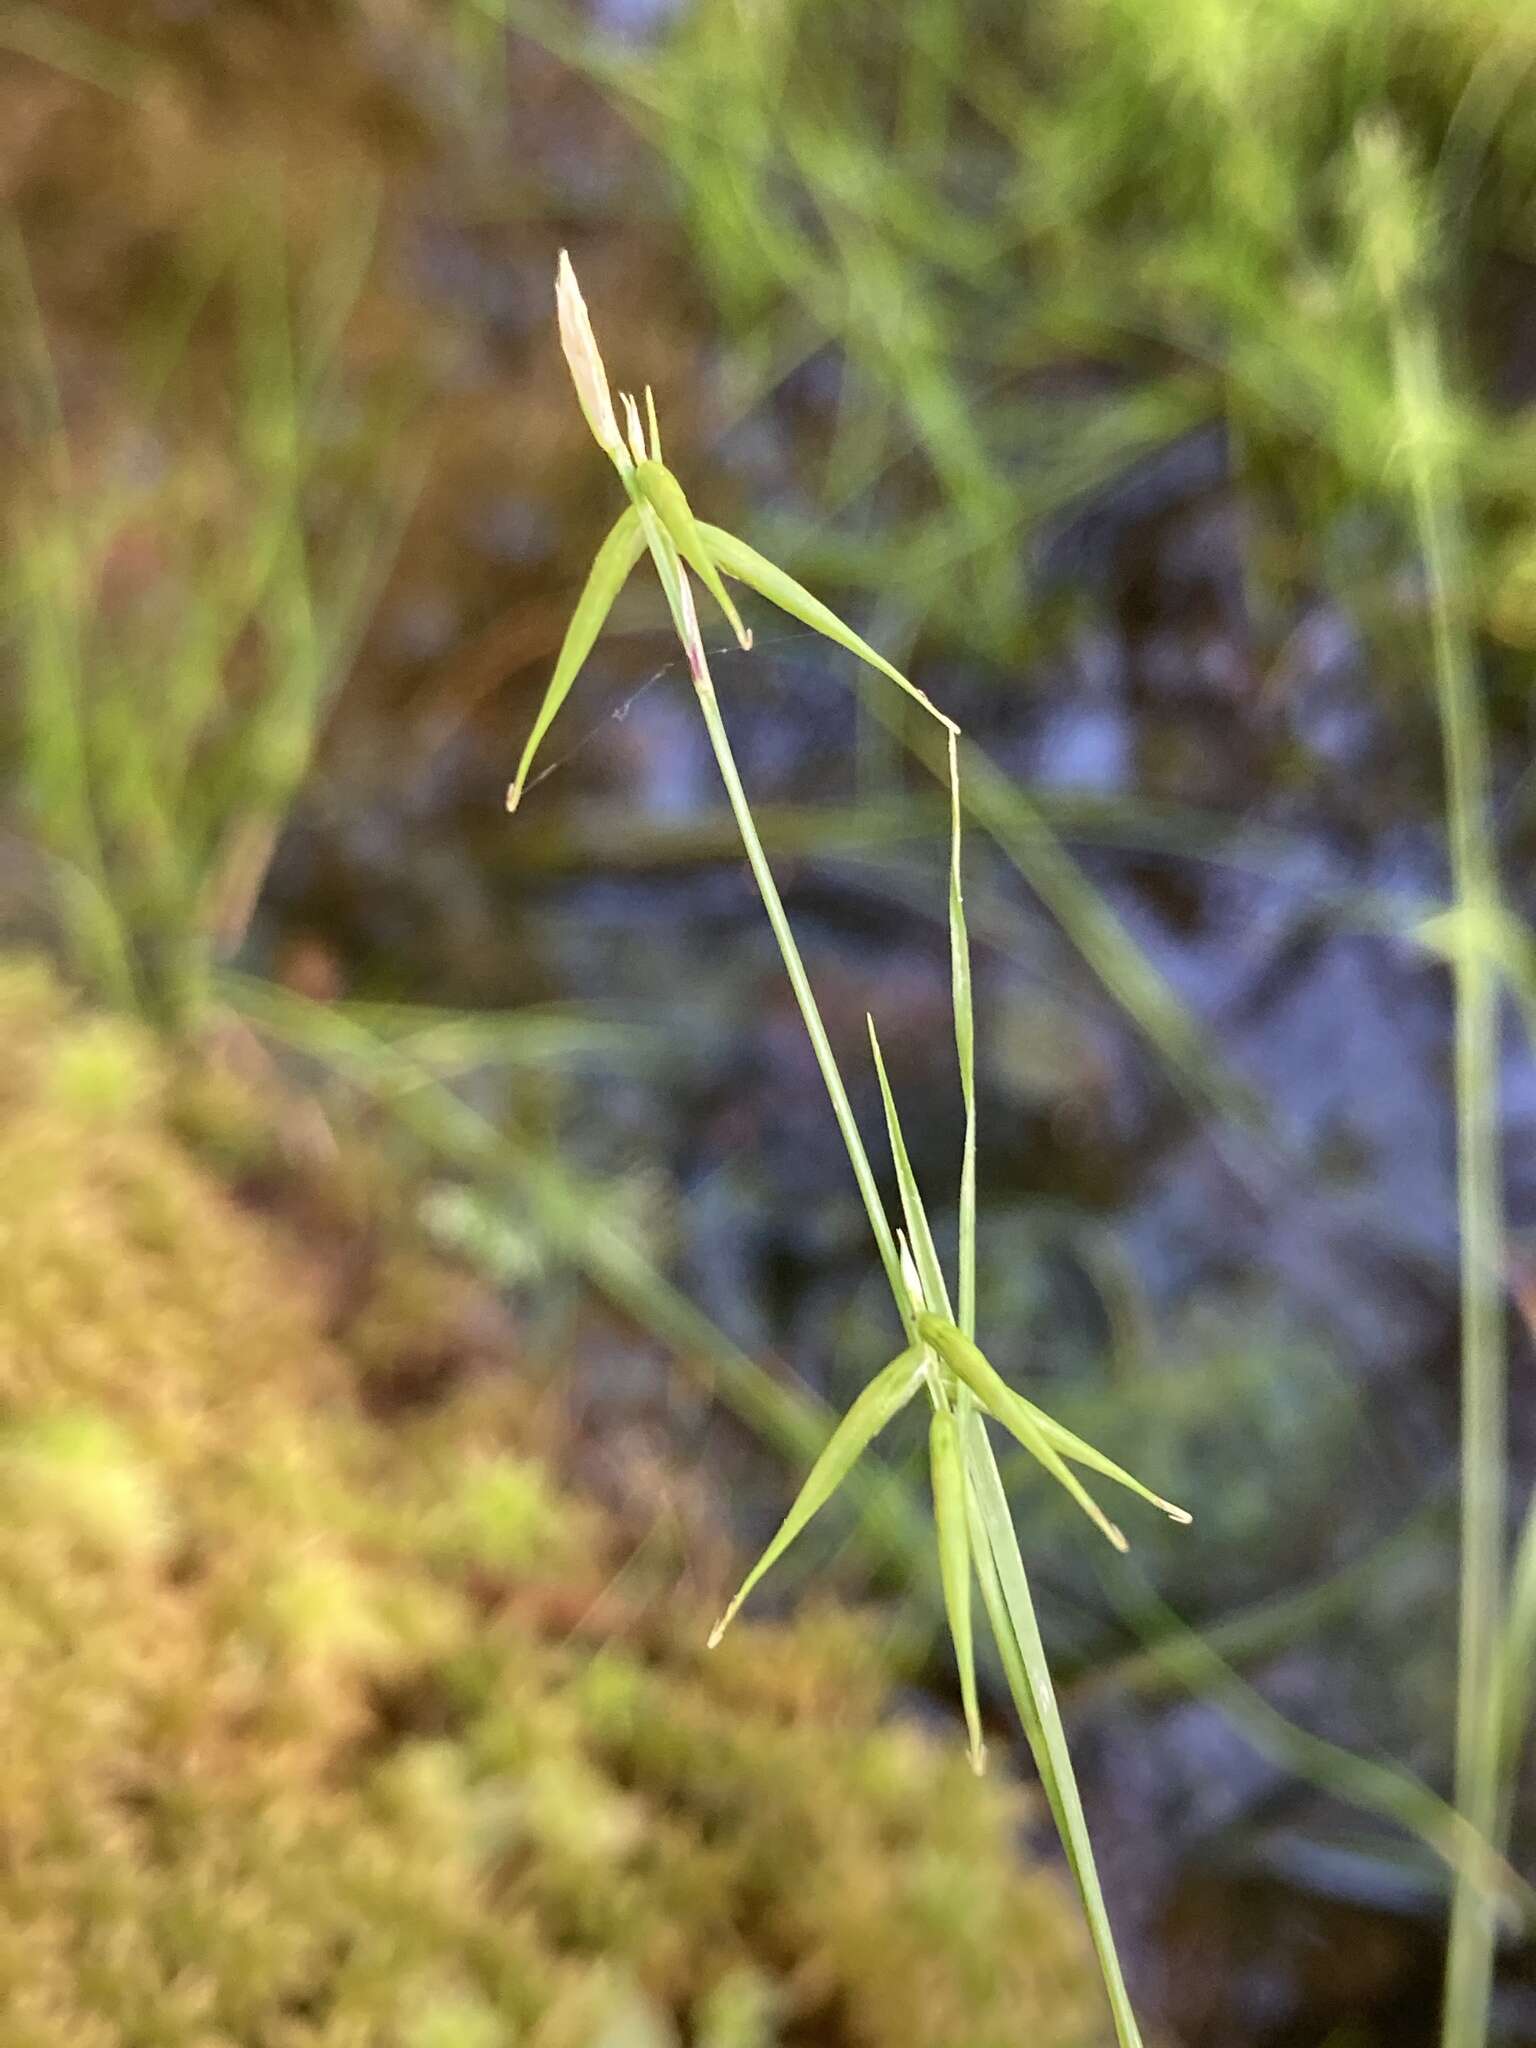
[279, 1770]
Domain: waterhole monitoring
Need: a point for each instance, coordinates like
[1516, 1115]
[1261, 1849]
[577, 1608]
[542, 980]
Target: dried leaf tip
[586, 365]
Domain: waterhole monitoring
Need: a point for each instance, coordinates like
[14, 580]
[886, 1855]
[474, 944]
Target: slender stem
[1484, 1451]
[680, 598]
[965, 1047]
[799, 980]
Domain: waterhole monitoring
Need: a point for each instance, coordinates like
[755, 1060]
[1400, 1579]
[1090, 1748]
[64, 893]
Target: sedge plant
[939, 1361]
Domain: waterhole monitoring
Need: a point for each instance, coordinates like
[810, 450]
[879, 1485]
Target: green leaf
[606, 578]
[663, 492]
[748, 566]
[965, 1050]
[1016, 1631]
[885, 1397]
[918, 1233]
[1016, 1415]
[1074, 1447]
[951, 1519]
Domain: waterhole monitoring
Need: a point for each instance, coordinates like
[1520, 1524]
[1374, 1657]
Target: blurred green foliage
[182, 605]
[1044, 242]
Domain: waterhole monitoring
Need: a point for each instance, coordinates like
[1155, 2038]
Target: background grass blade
[1386, 199]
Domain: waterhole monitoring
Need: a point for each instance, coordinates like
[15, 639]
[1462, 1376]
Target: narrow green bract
[977, 1372]
[952, 1521]
[768, 580]
[666, 495]
[606, 578]
[885, 1397]
[1082, 1453]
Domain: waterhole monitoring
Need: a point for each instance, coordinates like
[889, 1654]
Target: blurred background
[426, 1257]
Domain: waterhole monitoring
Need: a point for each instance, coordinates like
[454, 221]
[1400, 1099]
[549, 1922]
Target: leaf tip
[650, 414]
[632, 426]
[731, 1612]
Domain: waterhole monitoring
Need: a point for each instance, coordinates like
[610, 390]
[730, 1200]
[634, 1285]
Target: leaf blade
[951, 1518]
[668, 499]
[605, 579]
[877, 1404]
[737, 559]
[1083, 1453]
[977, 1371]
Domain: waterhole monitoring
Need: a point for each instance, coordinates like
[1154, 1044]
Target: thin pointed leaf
[1004, 1635]
[1016, 1630]
[606, 578]
[965, 1050]
[650, 414]
[768, 580]
[977, 1372]
[931, 1272]
[1083, 1453]
[951, 1520]
[666, 494]
[884, 1398]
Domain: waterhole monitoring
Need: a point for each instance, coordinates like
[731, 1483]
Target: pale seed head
[586, 365]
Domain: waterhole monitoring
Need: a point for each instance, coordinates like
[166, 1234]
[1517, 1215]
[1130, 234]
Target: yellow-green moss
[307, 1737]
